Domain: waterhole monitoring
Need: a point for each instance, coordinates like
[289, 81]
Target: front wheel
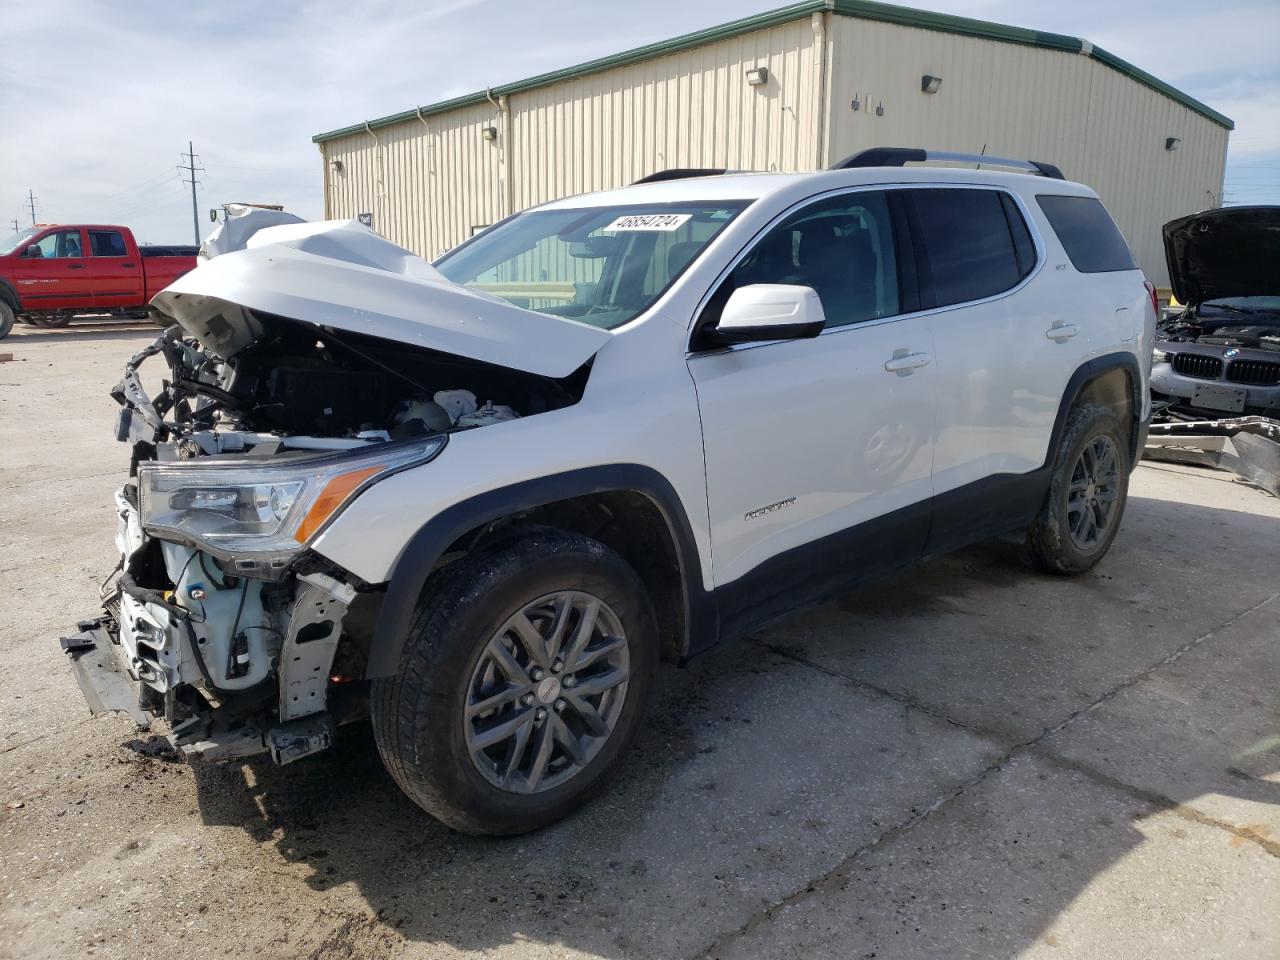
[1087, 494]
[6, 319]
[524, 676]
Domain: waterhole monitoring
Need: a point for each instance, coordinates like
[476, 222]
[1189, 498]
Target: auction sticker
[648, 221]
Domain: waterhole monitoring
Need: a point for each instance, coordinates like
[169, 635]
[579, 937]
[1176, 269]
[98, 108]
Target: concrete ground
[968, 760]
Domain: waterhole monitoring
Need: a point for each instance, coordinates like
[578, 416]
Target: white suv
[481, 500]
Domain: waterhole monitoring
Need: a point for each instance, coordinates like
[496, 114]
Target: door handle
[1062, 332]
[126, 265]
[907, 362]
[75, 266]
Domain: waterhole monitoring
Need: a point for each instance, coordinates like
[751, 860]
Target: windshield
[13, 242]
[599, 265]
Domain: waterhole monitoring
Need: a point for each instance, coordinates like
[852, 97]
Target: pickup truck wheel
[6, 319]
[524, 677]
[1087, 494]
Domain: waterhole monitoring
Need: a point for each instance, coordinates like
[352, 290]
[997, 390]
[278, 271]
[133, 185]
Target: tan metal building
[838, 76]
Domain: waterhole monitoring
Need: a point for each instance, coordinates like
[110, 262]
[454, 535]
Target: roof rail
[682, 173]
[899, 156]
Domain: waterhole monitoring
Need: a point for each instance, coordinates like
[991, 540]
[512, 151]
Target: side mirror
[770, 311]
[32, 251]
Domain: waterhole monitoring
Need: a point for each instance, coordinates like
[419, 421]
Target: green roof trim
[860, 9]
[1155, 83]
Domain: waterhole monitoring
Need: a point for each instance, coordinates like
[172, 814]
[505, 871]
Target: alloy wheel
[547, 692]
[1093, 493]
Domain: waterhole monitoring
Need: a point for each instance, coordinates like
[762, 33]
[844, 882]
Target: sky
[98, 100]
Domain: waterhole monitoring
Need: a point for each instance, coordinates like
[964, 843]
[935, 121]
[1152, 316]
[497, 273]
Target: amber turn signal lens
[333, 496]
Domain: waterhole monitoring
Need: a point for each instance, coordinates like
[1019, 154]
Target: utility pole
[31, 199]
[16, 228]
[191, 169]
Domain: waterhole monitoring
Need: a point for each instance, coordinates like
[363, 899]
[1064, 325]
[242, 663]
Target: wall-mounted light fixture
[336, 166]
[855, 104]
[489, 133]
[879, 109]
[930, 84]
[1171, 143]
[758, 76]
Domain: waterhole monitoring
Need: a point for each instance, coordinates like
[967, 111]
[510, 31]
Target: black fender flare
[428, 544]
[1091, 370]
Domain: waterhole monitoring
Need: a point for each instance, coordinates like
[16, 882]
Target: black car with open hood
[1228, 252]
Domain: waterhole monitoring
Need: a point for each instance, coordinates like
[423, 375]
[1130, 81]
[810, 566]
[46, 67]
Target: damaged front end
[219, 619]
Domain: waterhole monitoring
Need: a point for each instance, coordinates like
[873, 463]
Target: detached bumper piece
[285, 743]
[106, 686]
[1248, 446]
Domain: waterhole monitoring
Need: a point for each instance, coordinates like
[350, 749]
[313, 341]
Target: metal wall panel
[689, 109]
[1100, 127]
[429, 182]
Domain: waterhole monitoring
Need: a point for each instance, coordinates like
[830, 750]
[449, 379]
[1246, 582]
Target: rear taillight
[1151, 292]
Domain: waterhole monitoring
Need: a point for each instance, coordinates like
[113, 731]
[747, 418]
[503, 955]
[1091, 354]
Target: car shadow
[739, 795]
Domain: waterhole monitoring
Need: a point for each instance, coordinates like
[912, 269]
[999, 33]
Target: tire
[421, 724]
[1058, 539]
[6, 319]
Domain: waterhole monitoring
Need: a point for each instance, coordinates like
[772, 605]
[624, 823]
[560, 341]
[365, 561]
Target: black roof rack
[682, 173]
[899, 156]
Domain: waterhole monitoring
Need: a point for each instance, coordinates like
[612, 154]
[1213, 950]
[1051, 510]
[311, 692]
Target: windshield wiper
[1235, 309]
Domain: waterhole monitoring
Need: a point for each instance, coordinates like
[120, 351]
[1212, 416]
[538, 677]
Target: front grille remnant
[1261, 373]
[1197, 365]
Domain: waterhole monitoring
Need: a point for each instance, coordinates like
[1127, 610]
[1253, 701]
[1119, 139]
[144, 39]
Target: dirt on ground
[967, 760]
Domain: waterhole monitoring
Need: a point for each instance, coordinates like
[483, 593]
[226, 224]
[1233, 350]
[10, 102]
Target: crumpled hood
[342, 275]
[1228, 252]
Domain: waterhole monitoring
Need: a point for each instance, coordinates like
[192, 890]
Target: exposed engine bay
[1221, 331]
[244, 647]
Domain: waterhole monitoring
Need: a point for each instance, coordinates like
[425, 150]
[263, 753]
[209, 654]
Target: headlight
[262, 513]
[1160, 355]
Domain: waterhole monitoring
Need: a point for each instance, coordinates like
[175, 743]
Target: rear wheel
[524, 677]
[1087, 494]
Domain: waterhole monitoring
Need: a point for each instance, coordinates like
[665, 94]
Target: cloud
[100, 99]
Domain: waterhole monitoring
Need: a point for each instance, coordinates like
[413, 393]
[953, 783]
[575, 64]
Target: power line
[191, 169]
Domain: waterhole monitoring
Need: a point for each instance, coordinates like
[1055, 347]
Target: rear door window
[969, 244]
[1088, 234]
[106, 243]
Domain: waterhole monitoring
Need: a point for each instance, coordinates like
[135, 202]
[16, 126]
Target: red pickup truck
[50, 273]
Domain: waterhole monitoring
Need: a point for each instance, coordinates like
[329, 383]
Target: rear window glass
[106, 243]
[968, 243]
[1088, 234]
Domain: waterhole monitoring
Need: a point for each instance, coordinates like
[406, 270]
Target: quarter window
[1088, 234]
[842, 247]
[106, 243]
[969, 243]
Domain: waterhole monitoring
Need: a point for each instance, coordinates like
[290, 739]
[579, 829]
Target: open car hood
[1228, 252]
[340, 274]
